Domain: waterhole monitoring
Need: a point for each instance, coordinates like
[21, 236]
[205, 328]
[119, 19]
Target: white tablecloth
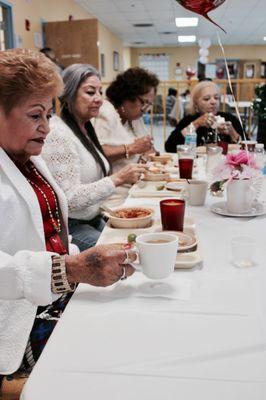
[119, 345]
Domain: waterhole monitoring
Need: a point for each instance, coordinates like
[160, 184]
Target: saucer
[187, 241]
[220, 208]
[176, 186]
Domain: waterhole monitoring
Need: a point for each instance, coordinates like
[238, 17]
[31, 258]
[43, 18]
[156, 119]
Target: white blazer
[25, 265]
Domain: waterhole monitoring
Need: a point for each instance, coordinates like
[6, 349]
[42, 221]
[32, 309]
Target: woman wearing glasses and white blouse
[119, 124]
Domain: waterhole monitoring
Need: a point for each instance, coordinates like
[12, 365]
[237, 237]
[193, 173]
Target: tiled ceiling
[244, 21]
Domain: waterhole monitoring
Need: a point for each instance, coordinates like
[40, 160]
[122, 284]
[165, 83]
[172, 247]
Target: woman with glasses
[119, 124]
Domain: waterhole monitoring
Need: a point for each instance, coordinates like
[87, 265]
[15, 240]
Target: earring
[123, 109]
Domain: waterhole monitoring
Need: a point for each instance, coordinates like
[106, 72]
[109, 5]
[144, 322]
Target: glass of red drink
[172, 214]
[185, 162]
[224, 146]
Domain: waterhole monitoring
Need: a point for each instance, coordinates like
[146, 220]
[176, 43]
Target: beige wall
[59, 10]
[108, 43]
[48, 10]
[127, 58]
[189, 55]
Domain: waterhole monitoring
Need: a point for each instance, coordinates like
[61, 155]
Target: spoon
[108, 210]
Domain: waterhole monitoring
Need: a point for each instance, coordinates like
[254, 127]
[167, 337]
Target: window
[6, 29]
[157, 63]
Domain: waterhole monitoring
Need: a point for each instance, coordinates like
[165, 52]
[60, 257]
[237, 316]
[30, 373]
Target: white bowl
[138, 222]
[149, 176]
[164, 158]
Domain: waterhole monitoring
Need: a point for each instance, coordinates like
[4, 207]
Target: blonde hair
[24, 73]
[196, 93]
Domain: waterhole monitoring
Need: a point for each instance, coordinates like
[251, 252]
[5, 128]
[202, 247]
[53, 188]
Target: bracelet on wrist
[126, 151]
[59, 282]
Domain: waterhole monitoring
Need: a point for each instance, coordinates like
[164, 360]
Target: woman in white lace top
[76, 158]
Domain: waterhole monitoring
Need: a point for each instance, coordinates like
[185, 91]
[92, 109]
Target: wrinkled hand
[100, 265]
[141, 145]
[225, 128]
[129, 174]
[207, 120]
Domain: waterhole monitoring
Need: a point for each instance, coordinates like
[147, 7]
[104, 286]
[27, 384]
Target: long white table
[117, 344]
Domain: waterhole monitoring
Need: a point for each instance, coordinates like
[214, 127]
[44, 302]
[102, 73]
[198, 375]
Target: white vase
[240, 195]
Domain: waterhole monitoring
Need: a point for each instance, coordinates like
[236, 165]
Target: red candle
[185, 168]
[172, 214]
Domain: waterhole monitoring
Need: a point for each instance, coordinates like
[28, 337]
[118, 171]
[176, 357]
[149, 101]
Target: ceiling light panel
[186, 39]
[185, 22]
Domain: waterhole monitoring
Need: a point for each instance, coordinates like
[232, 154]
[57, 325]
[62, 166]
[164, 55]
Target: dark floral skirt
[44, 324]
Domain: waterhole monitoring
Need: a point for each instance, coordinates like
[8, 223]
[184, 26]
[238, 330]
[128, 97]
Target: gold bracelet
[126, 151]
[59, 282]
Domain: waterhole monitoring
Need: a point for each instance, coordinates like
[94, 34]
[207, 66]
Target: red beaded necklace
[55, 218]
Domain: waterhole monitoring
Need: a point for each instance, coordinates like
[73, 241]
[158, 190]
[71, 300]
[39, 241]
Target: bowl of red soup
[131, 217]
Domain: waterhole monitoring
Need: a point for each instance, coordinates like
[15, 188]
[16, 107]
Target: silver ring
[124, 275]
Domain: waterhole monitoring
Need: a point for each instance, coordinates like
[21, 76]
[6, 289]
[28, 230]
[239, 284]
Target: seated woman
[119, 125]
[204, 106]
[37, 271]
[76, 159]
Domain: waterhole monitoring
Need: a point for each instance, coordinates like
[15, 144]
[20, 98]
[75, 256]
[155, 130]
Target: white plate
[220, 208]
[148, 189]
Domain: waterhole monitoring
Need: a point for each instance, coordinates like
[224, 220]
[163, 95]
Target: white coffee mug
[157, 254]
[195, 192]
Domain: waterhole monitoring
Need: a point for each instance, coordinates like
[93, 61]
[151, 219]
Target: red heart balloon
[202, 7]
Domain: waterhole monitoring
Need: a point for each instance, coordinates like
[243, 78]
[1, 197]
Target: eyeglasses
[145, 104]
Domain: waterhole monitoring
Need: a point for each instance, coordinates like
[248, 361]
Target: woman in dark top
[205, 101]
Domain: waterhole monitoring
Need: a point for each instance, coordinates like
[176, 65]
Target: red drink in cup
[185, 168]
[172, 214]
[224, 146]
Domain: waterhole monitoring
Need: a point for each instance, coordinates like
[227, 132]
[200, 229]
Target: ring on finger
[124, 274]
[127, 259]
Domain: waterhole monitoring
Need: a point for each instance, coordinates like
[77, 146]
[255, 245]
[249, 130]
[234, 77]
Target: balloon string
[231, 88]
[233, 96]
[213, 22]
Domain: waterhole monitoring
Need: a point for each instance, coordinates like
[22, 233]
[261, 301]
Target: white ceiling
[244, 21]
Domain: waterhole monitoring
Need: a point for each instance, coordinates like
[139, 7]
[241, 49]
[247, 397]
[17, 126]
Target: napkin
[218, 121]
[140, 286]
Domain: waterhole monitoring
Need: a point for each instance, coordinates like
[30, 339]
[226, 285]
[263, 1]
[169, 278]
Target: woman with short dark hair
[119, 125]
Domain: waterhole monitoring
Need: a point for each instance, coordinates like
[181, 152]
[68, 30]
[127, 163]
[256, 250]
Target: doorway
[6, 26]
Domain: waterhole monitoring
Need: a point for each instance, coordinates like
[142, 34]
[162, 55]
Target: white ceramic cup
[196, 192]
[240, 195]
[157, 254]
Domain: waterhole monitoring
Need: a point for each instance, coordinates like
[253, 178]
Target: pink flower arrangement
[237, 166]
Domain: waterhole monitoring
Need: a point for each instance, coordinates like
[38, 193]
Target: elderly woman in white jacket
[76, 159]
[37, 271]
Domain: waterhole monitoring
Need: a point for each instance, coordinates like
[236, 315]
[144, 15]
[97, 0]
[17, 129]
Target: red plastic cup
[172, 214]
[224, 146]
[185, 168]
